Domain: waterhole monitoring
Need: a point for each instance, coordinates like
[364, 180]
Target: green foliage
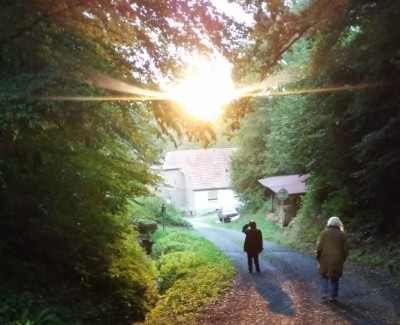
[390, 263]
[20, 310]
[247, 162]
[68, 168]
[188, 297]
[145, 226]
[339, 120]
[255, 201]
[177, 264]
[360, 126]
[177, 241]
[150, 207]
[193, 273]
[268, 142]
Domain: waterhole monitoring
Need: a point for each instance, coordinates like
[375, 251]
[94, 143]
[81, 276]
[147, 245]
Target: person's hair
[252, 224]
[335, 222]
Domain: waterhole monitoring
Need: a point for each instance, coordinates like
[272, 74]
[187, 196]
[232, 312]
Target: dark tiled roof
[204, 168]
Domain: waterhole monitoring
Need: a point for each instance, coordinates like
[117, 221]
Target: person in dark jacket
[331, 252]
[253, 244]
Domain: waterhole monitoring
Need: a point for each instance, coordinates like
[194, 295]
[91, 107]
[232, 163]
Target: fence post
[163, 216]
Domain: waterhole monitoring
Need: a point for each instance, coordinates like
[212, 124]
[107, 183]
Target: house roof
[204, 168]
[294, 184]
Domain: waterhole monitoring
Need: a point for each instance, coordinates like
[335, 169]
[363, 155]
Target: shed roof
[294, 184]
[204, 168]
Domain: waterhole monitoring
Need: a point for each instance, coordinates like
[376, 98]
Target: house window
[212, 195]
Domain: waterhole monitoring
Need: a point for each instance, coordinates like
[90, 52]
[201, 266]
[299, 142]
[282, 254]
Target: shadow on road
[354, 316]
[277, 300]
[289, 286]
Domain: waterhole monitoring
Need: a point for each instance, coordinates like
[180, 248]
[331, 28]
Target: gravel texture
[287, 289]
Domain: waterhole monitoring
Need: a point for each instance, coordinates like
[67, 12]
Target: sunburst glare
[205, 89]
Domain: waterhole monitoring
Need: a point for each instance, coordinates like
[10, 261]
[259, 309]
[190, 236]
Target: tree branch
[42, 16]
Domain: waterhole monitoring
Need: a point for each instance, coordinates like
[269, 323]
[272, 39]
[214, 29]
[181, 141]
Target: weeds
[192, 274]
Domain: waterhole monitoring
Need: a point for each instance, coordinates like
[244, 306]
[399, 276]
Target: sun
[205, 89]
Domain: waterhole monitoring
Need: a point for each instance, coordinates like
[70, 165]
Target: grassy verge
[270, 230]
[192, 274]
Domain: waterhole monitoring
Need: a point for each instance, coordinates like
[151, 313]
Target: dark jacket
[253, 242]
[331, 252]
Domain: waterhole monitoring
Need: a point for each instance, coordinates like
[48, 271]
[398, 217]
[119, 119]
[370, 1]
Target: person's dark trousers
[329, 286]
[250, 258]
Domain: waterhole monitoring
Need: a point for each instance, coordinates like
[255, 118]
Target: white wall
[190, 200]
[203, 205]
[179, 192]
[175, 190]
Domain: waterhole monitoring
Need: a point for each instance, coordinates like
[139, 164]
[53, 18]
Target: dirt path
[286, 290]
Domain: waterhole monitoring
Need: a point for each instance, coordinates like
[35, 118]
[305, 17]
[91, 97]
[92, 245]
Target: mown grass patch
[270, 230]
[192, 274]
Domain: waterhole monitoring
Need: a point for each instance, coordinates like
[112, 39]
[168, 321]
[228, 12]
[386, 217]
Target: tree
[358, 51]
[68, 168]
[247, 162]
[340, 122]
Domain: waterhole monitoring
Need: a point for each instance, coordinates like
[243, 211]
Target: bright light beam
[202, 94]
[207, 87]
[310, 91]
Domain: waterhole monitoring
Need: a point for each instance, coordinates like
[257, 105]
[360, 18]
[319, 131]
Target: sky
[234, 10]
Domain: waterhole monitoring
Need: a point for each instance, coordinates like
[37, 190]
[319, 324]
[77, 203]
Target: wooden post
[163, 216]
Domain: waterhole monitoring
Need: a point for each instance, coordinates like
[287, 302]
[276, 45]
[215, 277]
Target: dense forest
[335, 116]
[69, 170]
[71, 166]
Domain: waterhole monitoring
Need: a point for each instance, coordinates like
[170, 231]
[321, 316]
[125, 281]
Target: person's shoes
[332, 299]
[258, 271]
[324, 297]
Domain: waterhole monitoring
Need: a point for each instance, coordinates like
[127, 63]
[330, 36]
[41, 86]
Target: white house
[198, 181]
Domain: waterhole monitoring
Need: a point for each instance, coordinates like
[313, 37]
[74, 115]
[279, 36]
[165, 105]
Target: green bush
[145, 226]
[189, 295]
[192, 274]
[254, 202]
[174, 241]
[20, 309]
[176, 265]
[149, 207]
[115, 285]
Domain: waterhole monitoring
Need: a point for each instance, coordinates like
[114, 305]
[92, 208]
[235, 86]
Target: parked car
[227, 213]
[238, 205]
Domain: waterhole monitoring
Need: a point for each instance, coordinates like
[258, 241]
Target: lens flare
[204, 91]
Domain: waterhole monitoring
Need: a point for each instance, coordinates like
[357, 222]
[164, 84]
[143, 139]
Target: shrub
[145, 226]
[149, 207]
[192, 272]
[22, 309]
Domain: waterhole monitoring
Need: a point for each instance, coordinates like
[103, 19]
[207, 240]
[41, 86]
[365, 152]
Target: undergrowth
[192, 274]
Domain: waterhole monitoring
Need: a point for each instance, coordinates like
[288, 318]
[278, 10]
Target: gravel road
[287, 289]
